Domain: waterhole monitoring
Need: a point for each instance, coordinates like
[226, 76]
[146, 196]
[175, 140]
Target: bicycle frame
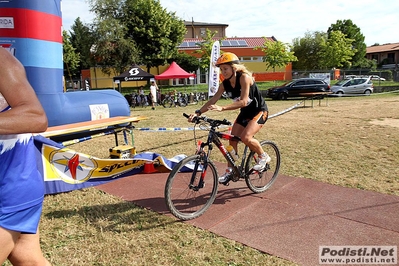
[188, 195]
[214, 137]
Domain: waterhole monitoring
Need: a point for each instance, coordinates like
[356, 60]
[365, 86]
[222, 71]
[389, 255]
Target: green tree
[205, 48]
[157, 33]
[82, 40]
[307, 50]
[70, 57]
[112, 50]
[277, 54]
[186, 61]
[351, 31]
[336, 51]
[135, 31]
[367, 64]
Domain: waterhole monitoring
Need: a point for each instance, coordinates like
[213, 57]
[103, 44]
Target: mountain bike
[192, 185]
[178, 99]
[198, 97]
[168, 101]
[181, 99]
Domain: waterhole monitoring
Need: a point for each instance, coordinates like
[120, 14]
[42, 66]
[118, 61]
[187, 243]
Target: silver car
[353, 86]
[375, 77]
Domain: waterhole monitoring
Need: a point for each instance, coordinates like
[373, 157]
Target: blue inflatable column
[31, 29]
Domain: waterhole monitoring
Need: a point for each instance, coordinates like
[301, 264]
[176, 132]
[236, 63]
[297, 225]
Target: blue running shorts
[24, 221]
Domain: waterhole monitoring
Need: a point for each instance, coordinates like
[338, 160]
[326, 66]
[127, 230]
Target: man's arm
[26, 114]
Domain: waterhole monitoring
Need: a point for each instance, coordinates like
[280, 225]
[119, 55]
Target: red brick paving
[290, 220]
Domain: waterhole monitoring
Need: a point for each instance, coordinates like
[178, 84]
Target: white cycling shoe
[262, 161]
[224, 179]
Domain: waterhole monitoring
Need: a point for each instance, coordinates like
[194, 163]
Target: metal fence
[107, 83]
[388, 74]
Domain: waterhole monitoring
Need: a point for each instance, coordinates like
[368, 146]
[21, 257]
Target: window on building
[203, 76]
[391, 58]
[251, 59]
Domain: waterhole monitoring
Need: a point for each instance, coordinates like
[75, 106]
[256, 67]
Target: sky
[284, 19]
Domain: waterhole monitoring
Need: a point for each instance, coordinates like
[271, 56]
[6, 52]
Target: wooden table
[315, 96]
[72, 133]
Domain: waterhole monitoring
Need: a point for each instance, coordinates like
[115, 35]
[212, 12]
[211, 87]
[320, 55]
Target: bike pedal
[235, 178]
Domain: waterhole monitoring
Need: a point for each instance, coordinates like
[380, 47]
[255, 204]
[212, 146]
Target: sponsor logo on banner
[99, 111]
[133, 74]
[8, 47]
[75, 168]
[324, 76]
[213, 70]
[134, 71]
[6, 22]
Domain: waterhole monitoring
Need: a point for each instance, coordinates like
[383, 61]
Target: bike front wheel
[260, 181]
[191, 187]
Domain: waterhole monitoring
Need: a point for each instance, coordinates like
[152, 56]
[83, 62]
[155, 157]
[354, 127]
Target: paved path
[291, 220]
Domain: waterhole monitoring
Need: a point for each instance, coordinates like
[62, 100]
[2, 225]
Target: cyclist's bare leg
[236, 130]
[247, 136]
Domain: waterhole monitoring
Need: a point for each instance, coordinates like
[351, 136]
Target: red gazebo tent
[174, 72]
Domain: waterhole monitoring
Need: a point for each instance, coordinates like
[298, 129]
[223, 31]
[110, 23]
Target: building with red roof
[243, 47]
[386, 54]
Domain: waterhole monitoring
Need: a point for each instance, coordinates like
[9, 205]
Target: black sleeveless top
[256, 101]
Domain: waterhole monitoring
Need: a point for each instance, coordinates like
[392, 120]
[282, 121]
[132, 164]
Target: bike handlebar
[212, 122]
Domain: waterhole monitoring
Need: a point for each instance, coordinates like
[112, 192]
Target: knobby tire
[259, 182]
[184, 202]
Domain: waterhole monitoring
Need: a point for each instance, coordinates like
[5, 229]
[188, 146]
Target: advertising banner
[64, 169]
[213, 70]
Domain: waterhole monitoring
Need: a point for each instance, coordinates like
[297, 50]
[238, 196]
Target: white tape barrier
[172, 129]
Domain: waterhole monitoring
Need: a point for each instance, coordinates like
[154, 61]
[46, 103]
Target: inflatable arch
[32, 31]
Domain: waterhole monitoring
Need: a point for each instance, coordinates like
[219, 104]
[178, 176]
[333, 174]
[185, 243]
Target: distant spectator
[154, 90]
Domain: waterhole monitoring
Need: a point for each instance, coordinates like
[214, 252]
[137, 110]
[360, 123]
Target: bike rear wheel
[185, 196]
[260, 181]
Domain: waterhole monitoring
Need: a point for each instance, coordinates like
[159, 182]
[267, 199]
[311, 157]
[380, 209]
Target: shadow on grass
[143, 214]
[118, 217]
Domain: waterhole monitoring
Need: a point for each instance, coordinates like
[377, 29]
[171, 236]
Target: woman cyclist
[240, 86]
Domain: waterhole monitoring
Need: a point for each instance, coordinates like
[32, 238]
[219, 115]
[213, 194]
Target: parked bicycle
[136, 100]
[192, 184]
[175, 99]
[197, 97]
[181, 99]
[168, 101]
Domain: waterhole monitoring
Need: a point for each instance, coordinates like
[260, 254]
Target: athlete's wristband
[198, 112]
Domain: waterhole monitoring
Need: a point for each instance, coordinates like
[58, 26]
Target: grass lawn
[352, 142]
